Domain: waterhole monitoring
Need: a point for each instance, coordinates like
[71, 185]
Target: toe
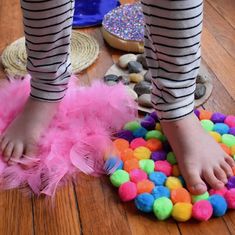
[220, 175]
[195, 183]
[7, 153]
[211, 179]
[17, 151]
[4, 143]
[227, 169]
[230, 161]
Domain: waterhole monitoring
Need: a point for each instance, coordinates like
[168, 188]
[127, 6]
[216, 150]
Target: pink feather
[77, 140]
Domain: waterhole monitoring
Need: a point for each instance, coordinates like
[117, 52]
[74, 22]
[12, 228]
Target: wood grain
[222, 30]
[59, 216]
[16, 213]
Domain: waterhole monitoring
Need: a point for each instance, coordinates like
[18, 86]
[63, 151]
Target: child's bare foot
[23, 133]
[201, 160]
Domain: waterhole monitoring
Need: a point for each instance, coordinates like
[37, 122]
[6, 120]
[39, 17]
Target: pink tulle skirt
[77, 139]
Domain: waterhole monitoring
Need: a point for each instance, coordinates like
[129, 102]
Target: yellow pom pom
[158, 127]
[142, 153]
[182, 211]
[216, 136]
[173, 183]
[175, 170]
[233, 150]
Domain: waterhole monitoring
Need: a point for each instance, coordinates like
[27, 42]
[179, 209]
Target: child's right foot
[201, 160]
[21, 137]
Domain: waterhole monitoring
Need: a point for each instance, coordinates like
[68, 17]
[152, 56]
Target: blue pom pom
[160, 191]
[140, 132]
[158, 178]
[219, 205]
[113, 163]
[221, 128]
[144, 202]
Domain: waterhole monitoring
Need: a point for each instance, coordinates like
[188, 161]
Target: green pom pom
[207, 125]
[228, 139]
[171, 158]
[147, 165]
[132, 126]
[119, 177]
[162, 208]
[196, 198]
[155, 134]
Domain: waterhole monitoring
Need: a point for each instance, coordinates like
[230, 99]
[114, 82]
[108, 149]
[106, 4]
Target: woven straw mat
[84, 51]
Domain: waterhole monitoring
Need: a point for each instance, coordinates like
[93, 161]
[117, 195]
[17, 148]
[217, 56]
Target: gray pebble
[135, 67]
[111, 83]
[147, 76]
[145, 100]
[141, 58]
[200, 91]
[111, 77]
[143, 87]
[201, 79]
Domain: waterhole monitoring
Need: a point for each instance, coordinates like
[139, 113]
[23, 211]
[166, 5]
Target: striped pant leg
[47, 27]
[172, 48]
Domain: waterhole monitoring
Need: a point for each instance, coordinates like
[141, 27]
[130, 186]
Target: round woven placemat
[84, 51]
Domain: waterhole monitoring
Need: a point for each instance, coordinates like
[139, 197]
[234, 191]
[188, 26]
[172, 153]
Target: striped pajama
[47, 27]
[172, 47]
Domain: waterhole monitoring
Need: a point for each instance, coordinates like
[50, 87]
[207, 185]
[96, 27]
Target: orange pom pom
[131, 164]
[145, 186]
[154, 144]
[204, 114]
[225, 148]
[180, 195]
[127, 154]
[121, 144]
[233, 150]
[233, 170]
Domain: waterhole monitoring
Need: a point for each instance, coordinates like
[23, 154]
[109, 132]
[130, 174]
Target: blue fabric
[91, 12]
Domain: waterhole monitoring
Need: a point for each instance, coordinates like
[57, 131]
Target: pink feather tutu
[76, 141]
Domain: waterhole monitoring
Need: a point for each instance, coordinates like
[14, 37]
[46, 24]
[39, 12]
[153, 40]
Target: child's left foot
[201, 160]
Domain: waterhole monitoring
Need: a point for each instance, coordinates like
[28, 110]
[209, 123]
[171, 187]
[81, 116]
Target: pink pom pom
[137, 175]
[164, 167]
[127, 191]
[230, 198]
[202, 210]
[138, 142]
[221, 192]
[230, 121]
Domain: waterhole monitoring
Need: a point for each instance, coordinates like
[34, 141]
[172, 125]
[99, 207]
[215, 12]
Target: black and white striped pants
[172, 47]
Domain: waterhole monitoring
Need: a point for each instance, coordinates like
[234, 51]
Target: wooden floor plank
[10, 23]
[100, 209]
[220, 100]
[59, 216]
[226, 8]
[222, 31]
[217, 58]
[16, 213]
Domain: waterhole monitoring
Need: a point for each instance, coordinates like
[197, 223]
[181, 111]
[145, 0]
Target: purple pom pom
[159, 155]
[231, 182]
[232, 131]
[154, 116]
[218, 117]
[148, 123]
[197, 112]
[125, 134]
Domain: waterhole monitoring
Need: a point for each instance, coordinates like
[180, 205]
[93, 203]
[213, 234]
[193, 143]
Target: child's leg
[172, 47]
[47, 26]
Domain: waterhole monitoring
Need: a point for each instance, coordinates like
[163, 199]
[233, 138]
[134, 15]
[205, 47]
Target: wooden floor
[92, 206]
